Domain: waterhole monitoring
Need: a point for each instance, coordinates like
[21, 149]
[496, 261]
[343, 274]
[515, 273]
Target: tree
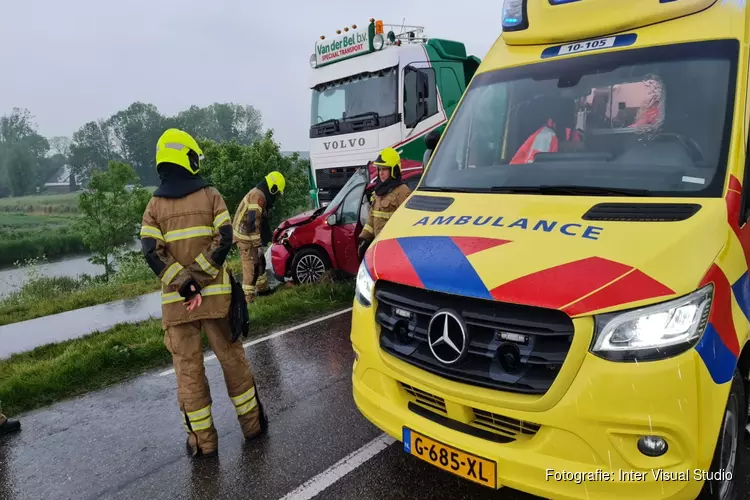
[60, 145]
[112, 208]
[92, 149]
[136, 130]
[22, 152]
[234, 169]
[222, 122]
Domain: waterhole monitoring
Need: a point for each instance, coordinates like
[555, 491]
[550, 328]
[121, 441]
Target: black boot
[10, 426]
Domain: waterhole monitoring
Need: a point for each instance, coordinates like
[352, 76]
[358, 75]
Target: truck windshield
[360, 102]
[653, 121]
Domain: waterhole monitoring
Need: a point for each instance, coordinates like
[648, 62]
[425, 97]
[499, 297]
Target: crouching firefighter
[185, 237]
[390, 193]
[8, 426]
[252, 232]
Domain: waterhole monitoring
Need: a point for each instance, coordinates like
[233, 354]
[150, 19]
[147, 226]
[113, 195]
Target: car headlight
[364, 286]
[653, 332]
[286, 234]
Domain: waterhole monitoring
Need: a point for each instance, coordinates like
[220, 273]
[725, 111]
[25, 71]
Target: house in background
[60, 182]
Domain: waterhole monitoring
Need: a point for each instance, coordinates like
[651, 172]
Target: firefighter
[390, 193]
[185, 237]
[252, 231]
[8, 426]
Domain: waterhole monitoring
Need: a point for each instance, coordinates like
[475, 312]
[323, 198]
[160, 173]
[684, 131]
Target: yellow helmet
[389, 158]
[179, 147]
[276, 182]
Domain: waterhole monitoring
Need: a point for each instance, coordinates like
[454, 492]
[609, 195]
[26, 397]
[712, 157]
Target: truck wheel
[309, 266]
[723, 482]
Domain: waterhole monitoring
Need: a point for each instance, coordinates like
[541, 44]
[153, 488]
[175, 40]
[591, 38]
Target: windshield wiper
[448, 189]
[572, 190]
[328, 122]
[362, 115]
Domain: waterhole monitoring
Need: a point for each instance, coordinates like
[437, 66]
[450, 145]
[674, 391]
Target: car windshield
[365, 95]
[653, 121]
[359, 177]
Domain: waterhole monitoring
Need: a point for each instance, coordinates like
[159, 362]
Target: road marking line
[273, 336]
[340, 469]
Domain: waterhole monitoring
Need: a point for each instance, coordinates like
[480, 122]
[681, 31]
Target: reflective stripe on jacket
[249, 219]
[382, 210]
[187, 239]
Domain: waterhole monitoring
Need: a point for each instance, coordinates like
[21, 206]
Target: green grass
[45, 296]
[41, 204]
[24, 237]
[54, 372]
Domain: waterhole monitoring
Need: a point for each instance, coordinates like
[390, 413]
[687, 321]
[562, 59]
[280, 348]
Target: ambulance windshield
[652, 121]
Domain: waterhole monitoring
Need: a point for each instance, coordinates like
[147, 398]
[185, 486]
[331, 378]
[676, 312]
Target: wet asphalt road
[128, 441]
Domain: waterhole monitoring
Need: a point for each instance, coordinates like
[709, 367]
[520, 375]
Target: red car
[309, 244]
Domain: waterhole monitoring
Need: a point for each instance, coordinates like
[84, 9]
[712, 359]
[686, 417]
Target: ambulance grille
[512, 348]
[425, 398]
[504, 425]
[504, 429]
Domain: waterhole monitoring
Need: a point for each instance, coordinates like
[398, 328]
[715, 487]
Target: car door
[346, 230]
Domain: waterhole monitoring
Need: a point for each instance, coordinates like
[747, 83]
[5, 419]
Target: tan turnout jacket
[188, 239]
[382, 210]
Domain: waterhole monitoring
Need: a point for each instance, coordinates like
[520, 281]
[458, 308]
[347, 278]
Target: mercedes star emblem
[446, 336]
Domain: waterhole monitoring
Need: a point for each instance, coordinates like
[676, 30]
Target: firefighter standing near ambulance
[185, 236]
[252, 231]
[390, 193]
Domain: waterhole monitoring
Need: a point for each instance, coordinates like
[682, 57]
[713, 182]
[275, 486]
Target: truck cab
[563, 305]
[379, 86]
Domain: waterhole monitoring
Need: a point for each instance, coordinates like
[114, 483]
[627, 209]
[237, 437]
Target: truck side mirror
[432, 139]
[411, 97]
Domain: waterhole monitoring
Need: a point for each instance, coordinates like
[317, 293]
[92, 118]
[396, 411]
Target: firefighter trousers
[193, 393]
[253, 272]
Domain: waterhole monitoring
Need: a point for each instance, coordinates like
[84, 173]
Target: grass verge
[45, 296]
[50, 373]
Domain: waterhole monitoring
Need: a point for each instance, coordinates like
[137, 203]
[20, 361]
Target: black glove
[190, 289]
[362, 247]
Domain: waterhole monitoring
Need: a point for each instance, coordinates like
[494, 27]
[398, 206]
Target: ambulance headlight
[364, 286]
[377, 42]
[313, 61]
[514, 15]
[653, 332]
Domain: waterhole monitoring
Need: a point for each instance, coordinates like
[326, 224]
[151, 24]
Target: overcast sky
[80, 60]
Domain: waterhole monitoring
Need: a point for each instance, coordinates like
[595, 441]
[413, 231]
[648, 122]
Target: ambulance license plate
[460, 463]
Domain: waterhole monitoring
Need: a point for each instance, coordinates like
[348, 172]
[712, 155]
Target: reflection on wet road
[24, 336]
[127, 442]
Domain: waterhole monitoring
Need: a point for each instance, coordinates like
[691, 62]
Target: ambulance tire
[309, 265]
[720, 486]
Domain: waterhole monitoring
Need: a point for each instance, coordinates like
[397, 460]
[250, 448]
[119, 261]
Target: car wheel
[309, 266]
[722, 482]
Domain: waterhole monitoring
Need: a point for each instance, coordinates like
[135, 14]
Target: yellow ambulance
[562, 306]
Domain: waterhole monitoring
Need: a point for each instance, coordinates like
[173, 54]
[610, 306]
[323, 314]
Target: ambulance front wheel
[723, 481]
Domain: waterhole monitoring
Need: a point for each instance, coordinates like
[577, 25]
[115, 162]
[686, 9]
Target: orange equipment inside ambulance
[562, 305]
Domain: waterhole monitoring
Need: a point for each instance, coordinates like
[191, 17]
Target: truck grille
[508, 429]
[330, 181]
[511, 348]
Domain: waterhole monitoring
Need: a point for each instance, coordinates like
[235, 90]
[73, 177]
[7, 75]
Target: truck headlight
[653, 332]
[378, 41]
[364, 285]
